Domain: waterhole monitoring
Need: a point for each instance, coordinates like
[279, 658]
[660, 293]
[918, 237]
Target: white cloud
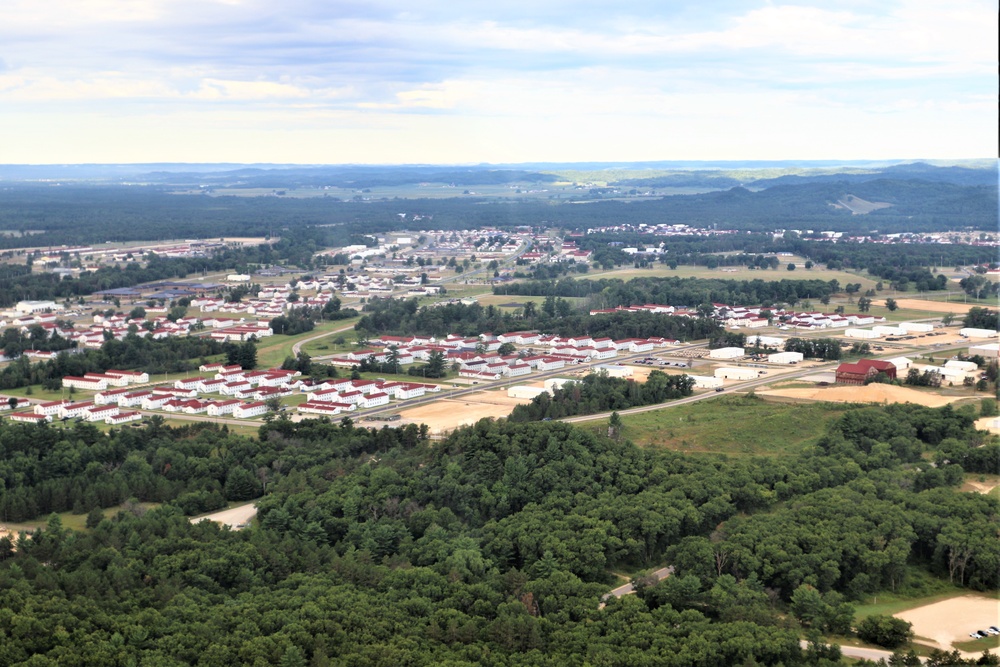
[441, 80]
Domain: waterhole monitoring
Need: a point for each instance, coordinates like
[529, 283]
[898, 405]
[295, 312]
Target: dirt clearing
[873, 393]
[234, 517]
[950, 621]
[991, 424]
[448, 414]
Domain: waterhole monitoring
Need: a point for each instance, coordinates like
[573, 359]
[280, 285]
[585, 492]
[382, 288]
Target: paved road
[628, 589]
[298, 344]
[750, 384]
[859, 652]
[234, 517]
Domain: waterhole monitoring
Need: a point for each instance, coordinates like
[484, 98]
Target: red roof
[876, 364]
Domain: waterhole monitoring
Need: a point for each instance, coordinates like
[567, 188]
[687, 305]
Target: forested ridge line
[490, 547]
[83, 214]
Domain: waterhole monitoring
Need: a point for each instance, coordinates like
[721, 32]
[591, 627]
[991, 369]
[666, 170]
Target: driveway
[234, 517]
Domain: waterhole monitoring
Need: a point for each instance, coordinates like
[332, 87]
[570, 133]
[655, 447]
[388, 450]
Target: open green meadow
[740, 273]
[976, 645]
[734, 425]
[72, 520]
[918, 590]
[272, 351]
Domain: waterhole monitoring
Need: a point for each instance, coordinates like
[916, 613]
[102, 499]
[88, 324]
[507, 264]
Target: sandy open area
[232, 517]
[448, 414]
[952, 620]
[932, 306]
[980, 487]
[873, 393]
[641, 373]
[986, 424]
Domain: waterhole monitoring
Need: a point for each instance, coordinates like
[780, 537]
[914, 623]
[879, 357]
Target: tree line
[169, 355]
[597, 392]
[555, 315]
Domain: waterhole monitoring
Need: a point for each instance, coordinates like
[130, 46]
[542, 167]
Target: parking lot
[949, 621]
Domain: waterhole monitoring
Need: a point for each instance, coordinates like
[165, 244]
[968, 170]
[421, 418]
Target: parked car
[977, 635]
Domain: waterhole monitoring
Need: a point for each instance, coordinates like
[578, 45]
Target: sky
[446, 82]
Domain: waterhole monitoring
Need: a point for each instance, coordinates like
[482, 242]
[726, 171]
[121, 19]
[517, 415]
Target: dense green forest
[555, 315]
[492, 547]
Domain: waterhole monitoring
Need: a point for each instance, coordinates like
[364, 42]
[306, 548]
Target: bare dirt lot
[233, 517]
[448, 414]
[949, 621]
[873, 393]
[986, 424]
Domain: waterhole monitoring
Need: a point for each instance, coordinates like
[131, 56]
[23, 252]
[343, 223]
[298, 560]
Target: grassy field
[976, 645]
[740, 273]
[734, 425]
[959, 297]
[69, 519]
[272, 351]
[38, 394]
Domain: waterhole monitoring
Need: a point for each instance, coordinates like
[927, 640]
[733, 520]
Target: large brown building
[864, 370]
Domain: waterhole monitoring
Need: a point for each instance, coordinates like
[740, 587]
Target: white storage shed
[901, 363]
[785, 357]
[988, 350]
[916, 327]
[614, 370]
[706, 382]
[737, 373]
[524, 391]
[977, 333]
[862, 334]
[767, 341]
[556, 383]
[726, 353]
[964, 366]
